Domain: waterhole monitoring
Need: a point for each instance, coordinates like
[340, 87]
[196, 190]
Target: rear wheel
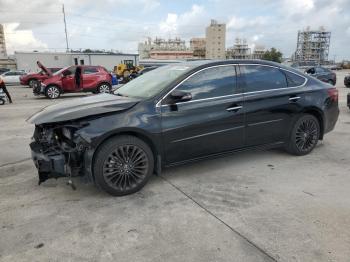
[304, 135]
[2, 101]
[104, 88]
[123, 165]
[52, 92]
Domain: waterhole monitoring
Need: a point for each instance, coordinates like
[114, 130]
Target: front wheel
[304, 135]
[104, 88]
[52, 92]
[123, 165]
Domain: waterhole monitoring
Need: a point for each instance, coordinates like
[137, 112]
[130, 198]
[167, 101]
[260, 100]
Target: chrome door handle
[235, 108]
[294, 98]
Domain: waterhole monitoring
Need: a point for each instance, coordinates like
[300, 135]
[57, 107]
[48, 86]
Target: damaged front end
[58, 151]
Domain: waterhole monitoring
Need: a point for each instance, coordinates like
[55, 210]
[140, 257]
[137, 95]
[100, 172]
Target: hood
[52, 79]
[82, 107]
[47, 71]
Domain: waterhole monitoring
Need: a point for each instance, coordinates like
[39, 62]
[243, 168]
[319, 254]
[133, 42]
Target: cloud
[120, 24]
[23, 40]
[185, 25]
[238, 23]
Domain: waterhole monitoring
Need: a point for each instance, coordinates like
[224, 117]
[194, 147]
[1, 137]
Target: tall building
[313, 45]
[240, 50]
[197, 45]
[164, 49]
[258, 52]
[215, 40]
[3, 52]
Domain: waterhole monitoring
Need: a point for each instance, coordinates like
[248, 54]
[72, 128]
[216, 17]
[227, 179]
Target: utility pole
[65, 27]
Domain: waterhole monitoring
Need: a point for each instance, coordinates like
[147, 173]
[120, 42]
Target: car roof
[229, 61]
[199, 64]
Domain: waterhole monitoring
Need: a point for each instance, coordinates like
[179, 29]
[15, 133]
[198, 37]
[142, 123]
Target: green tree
[273, 55]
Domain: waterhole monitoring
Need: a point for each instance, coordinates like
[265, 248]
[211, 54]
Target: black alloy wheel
[305, 135]
[123, 165]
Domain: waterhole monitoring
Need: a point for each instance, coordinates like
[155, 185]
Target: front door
[271, 99]
[68, 79]
[210, 123]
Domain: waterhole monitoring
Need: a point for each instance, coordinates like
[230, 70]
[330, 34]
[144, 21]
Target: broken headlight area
[58, 151]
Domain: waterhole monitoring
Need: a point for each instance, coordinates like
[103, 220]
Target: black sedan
[181, 113]
[323, 74]
[347, 81]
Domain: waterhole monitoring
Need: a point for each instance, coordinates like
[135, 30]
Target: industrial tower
[313, 45]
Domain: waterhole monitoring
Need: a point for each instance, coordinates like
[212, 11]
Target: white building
[215, 40]
[27, 60]
[3, 53]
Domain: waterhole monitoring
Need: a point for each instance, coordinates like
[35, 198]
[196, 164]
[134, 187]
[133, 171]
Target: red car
[73, 79]
[32, 79]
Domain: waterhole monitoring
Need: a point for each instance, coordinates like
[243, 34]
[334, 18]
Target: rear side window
[211, 82]
[294, 79]
[90, 70]
[260, 78]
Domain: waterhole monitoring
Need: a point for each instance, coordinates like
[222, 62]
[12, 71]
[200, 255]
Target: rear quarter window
[294, 79]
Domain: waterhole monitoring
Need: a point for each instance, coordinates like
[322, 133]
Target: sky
[120, 25]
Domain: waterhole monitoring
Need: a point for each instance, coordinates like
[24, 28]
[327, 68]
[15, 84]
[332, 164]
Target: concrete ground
[253, 206]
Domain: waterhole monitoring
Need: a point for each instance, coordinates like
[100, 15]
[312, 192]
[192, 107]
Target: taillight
[333, 94]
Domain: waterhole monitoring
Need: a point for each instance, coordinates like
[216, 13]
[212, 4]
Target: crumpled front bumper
[49, 165]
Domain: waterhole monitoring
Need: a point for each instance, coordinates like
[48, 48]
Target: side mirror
[180, 96]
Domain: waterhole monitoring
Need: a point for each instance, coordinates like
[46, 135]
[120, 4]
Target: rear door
[271, 99]
[212, 122]
[90, 77]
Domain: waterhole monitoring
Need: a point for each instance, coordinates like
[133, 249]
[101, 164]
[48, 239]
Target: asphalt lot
[253, 206]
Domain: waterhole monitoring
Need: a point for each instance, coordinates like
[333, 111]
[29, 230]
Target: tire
[304, 135]
[122, 165]
[52, 92]
[2, 101]
[104, 88]
[32, 83]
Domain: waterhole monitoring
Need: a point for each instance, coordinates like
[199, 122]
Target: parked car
[348, 100]
[3, 70]
[32, 79]
[347, 81]
[181, 113]
[12, 77]
[323, 74]
[75, 79]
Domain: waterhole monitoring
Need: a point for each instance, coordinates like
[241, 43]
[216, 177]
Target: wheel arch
[103, 82]
[320, 117]
[131, 132]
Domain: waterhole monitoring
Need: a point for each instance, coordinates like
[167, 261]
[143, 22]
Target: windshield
[71, 69]
[151, 83]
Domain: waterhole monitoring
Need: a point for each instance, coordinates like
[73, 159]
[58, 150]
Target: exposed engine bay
[58, 151]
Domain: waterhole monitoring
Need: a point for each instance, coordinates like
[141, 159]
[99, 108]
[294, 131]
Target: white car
[12, 77]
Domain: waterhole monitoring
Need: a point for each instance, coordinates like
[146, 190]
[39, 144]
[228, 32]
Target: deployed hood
[82, 107]
[47, 71]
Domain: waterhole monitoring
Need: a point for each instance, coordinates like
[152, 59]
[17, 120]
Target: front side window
[211, 82]
[260, 78]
